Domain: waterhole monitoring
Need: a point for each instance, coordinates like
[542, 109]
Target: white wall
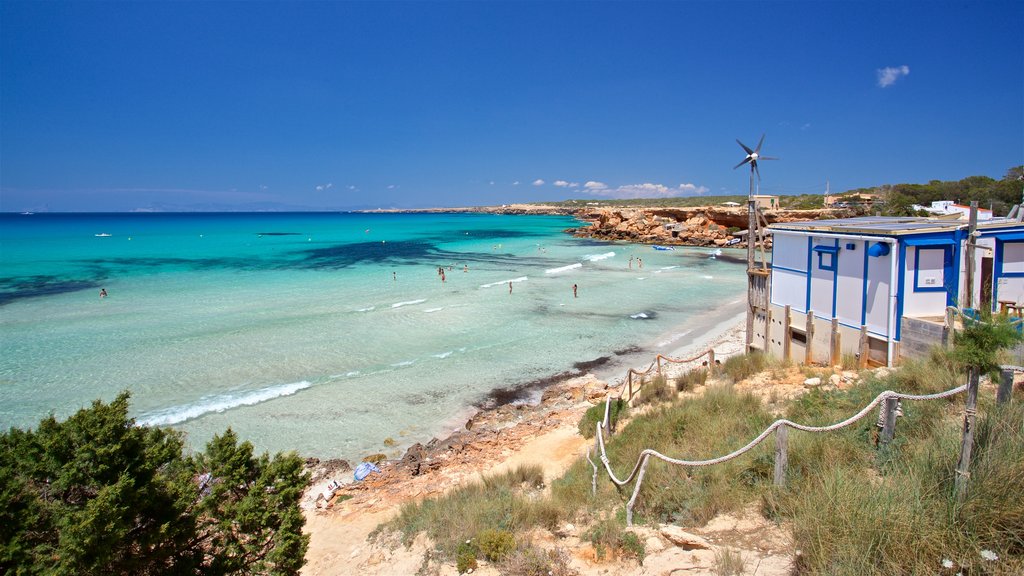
[878, 306]
[850, 291]
[789, 288]
[821, 280]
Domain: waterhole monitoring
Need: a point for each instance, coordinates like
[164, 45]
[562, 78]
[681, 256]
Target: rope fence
[780, 427]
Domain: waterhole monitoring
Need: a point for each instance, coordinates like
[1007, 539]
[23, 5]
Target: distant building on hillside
[730, 204]
[949, 208]
[846, 200]
[766, 202]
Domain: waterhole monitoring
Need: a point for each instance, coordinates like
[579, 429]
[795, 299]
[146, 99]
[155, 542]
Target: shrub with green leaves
[743, 366]
[495, 545]
[595, 414]
[96, 494]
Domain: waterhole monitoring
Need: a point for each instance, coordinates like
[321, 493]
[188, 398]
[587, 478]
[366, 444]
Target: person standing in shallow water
[573, 290]
[509, 287]
[103, 292]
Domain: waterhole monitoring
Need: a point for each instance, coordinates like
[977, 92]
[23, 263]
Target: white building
[950, 208]
[855, 286]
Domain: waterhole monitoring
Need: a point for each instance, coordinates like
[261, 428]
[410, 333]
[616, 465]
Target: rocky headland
[689, 226]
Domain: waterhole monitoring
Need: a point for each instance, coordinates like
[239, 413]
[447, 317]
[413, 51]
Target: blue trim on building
[901, 282]
[794, 270]
[947, 267]
[810, 242]
[835, 276]
[864, 291]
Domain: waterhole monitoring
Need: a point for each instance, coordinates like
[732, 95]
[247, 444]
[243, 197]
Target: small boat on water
[657, 247]
[103, 235]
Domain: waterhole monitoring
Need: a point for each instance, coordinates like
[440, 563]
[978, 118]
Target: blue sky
[241, 105]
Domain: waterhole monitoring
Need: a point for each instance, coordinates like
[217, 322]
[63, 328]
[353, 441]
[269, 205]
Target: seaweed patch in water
[12, 289]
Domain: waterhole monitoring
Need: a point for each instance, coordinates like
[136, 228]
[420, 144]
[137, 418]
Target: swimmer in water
[573, 290]
[103, 292]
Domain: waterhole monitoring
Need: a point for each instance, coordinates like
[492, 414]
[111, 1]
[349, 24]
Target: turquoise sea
[326, 333]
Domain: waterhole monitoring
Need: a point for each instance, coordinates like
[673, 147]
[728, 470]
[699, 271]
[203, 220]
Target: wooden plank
[787, 336]
[1005, 387]
[864, 347]
[767, 330]
[809, 332]
[888, 421]
[781, 454]
[948, 328]
[833, 351]
[711, 361]
[967, 441]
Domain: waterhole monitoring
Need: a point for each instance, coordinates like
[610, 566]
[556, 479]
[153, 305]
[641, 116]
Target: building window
[930, 267]
[827, 257]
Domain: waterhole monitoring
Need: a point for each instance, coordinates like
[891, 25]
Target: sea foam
[599, 257]
[218, 403]
[563, 268]
[513, 280]
[408, 303]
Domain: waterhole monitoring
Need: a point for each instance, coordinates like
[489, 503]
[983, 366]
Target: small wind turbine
[753, 157]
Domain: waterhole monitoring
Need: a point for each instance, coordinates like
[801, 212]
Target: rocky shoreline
[696, 226]
[681, 226]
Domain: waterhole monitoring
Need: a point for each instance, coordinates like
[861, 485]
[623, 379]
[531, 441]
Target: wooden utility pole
[972, 227]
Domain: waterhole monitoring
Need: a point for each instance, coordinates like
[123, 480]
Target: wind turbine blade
[754, 165]
[758, 149]
[745, 160]
[767, 158]
[749, 151]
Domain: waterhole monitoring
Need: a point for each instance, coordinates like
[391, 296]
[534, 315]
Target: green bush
[465, 557]
[495, 545]
[631, 545]
[595, 414]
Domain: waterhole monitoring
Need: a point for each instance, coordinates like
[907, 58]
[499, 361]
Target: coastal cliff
[690, 226]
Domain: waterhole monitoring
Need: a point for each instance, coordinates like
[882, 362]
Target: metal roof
[888, 225]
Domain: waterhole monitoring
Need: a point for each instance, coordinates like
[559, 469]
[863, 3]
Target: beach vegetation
[495, 545]
[530, 560]
[655, 390]
[743, 366]
[595, 415]
[692, 379]
[96, 494]
[853, 507]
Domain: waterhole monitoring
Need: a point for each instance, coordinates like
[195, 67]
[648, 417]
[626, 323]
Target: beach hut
[878, 287]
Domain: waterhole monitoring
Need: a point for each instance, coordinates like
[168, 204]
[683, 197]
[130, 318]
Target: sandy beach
[543, 433]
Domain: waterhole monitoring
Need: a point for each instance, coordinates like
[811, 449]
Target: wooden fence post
[864, 347]
[1005, 386]
[809, 334]
[967, 444]
[889, 420]
[948, 332]
[658, 360]
[781, 454]
[833, 352]
[711, 361]
[767, 330]
[787, 335]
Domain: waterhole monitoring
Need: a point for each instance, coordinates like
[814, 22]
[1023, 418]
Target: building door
[986, 284]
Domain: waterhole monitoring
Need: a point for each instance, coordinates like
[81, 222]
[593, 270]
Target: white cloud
[574, 185]
[322, 187]
[392, 186]
[645, 190]
[561, 183]
[888, 75]
[516, 183]
[592, 185]
[352, 187]
[492, 182]
[538, 182]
